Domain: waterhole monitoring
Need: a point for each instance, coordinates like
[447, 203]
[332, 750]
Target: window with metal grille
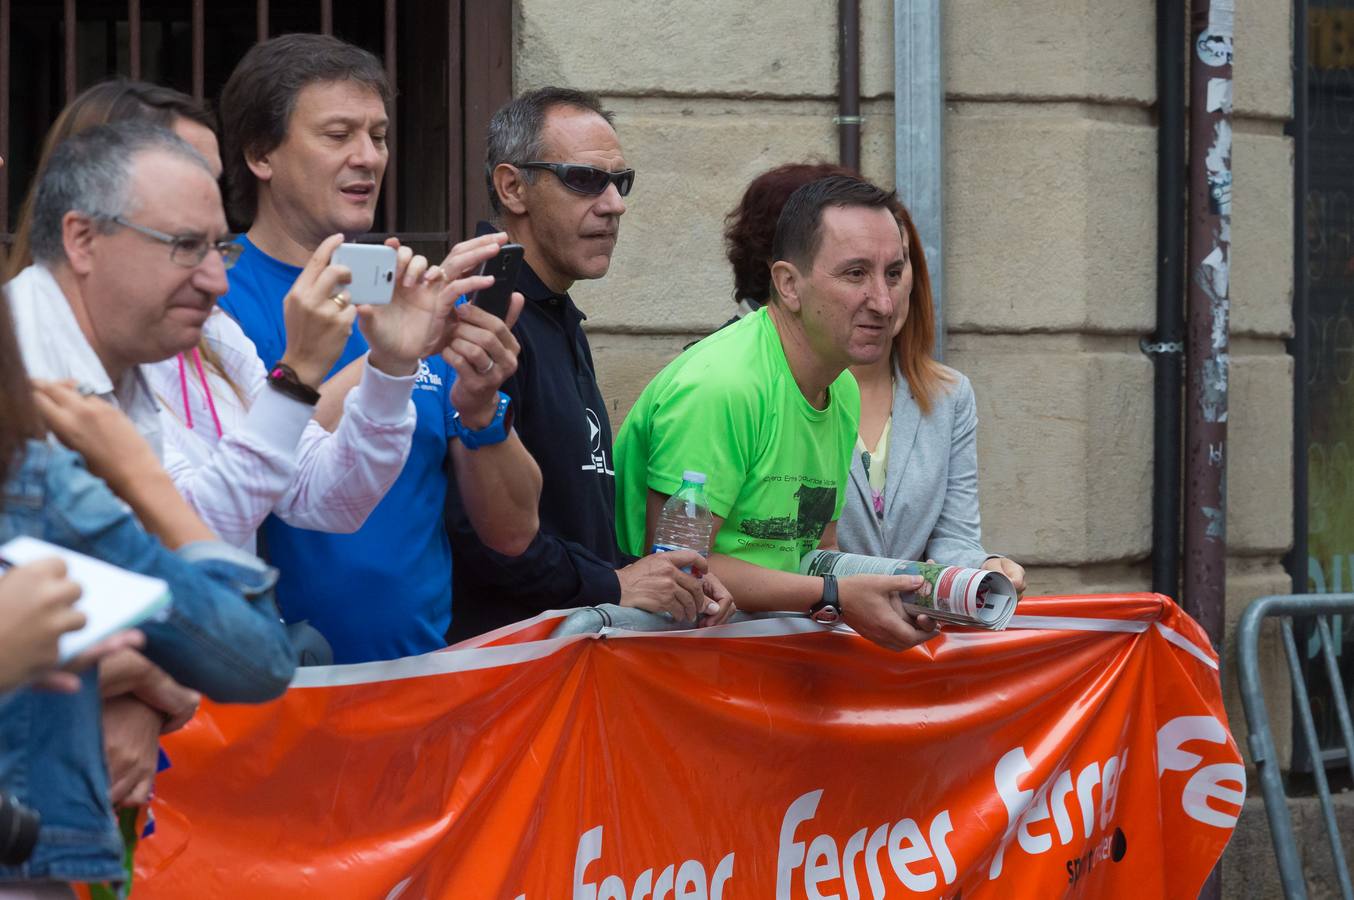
[450, 61]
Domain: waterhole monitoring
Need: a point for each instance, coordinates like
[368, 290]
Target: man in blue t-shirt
[305, 118]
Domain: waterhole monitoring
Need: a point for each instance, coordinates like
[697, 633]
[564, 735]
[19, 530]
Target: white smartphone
[373, 268]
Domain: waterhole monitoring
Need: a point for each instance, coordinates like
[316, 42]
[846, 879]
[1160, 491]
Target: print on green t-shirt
[814, 508]
[776, 468]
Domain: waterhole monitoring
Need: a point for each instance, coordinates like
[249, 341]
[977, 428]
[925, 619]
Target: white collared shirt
[54, 348]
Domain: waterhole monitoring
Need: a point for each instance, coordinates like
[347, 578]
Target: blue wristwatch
[496, 432]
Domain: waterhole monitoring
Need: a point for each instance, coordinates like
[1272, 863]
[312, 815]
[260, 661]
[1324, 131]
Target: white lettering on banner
[1207, 783]
[1009, 768]
[676, 882]
[1028, 807]
[920, 860]
[822, 862]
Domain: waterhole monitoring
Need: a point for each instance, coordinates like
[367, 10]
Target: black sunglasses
[586, 179]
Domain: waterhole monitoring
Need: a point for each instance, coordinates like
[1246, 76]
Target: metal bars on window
[4, 112]
[455, 58]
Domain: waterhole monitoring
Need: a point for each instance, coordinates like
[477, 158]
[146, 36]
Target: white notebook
[113, 598]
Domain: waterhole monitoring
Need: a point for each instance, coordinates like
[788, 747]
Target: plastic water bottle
[685, 522]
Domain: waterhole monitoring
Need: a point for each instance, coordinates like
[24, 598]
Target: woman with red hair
[913, 491]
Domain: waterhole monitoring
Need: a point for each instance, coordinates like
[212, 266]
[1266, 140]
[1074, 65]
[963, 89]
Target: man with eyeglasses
[129, 242]
[129, 238]
[557, 180]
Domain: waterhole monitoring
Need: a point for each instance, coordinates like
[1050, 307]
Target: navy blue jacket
[560, 416]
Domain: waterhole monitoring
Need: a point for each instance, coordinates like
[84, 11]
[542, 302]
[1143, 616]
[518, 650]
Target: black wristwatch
[827, 610]
[284, 380]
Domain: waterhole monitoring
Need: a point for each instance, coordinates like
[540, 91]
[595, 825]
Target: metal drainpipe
[848, 83]
[918, 132]
[1210, 218]
[1166, 345]
[1207, 338]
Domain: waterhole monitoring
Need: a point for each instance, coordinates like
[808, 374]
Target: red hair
[751, 227]
[914, 343]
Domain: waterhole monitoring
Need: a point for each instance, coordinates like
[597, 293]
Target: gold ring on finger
[341, 298]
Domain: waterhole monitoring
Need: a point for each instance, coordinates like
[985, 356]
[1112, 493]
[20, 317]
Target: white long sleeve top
[238, 460]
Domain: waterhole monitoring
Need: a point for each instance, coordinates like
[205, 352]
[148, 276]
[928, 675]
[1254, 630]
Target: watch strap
[829, 608]
[283, 379]
[496, 432]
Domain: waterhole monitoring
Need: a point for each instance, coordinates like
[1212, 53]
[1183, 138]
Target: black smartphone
[503, 266]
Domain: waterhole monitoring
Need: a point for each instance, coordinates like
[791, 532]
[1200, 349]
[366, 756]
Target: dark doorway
[1323, 345]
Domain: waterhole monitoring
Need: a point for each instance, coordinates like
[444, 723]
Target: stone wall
[1050, 181]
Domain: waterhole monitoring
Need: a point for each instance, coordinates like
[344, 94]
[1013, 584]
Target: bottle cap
[693, 477]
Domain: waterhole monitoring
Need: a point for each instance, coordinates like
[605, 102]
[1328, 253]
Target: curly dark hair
[751, 227]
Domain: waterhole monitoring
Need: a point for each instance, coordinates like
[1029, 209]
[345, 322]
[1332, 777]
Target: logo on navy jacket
[598, 462]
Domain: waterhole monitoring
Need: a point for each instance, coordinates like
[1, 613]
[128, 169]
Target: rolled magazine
[974, 597]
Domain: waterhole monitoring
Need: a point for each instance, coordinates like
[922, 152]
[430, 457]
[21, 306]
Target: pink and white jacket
[239, 460]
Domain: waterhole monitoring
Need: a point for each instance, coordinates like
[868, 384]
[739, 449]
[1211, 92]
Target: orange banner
[1082, 752]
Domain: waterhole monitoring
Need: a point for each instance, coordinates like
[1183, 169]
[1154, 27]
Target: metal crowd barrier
[1285, 607]
[592, 619]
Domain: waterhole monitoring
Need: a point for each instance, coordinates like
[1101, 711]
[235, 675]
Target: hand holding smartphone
[373, 268]
[503, 266]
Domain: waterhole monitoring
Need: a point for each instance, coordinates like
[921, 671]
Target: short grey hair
[515, 130]
[90, 173]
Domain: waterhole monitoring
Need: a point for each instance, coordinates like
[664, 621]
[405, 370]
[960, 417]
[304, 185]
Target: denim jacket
[221, 635]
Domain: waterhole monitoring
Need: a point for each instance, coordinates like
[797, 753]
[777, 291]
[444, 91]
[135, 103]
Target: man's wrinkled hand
[719, 605]
[657, 583]
[483, 351]
[317, 324]
[66, 680]
[131, 735]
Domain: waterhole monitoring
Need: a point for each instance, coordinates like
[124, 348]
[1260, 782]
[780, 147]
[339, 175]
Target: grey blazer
[930, 488]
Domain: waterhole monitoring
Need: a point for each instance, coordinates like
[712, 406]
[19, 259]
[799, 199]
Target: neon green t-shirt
[776, 468]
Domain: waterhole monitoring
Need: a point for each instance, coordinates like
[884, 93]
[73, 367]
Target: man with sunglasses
[557, 181]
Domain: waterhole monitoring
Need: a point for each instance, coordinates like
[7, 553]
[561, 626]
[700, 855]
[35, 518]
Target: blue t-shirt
[384, 591]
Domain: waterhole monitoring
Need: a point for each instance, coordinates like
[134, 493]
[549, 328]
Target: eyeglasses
[187, 250]
[586, 179]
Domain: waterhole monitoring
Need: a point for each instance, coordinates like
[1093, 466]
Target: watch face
[826, 615]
